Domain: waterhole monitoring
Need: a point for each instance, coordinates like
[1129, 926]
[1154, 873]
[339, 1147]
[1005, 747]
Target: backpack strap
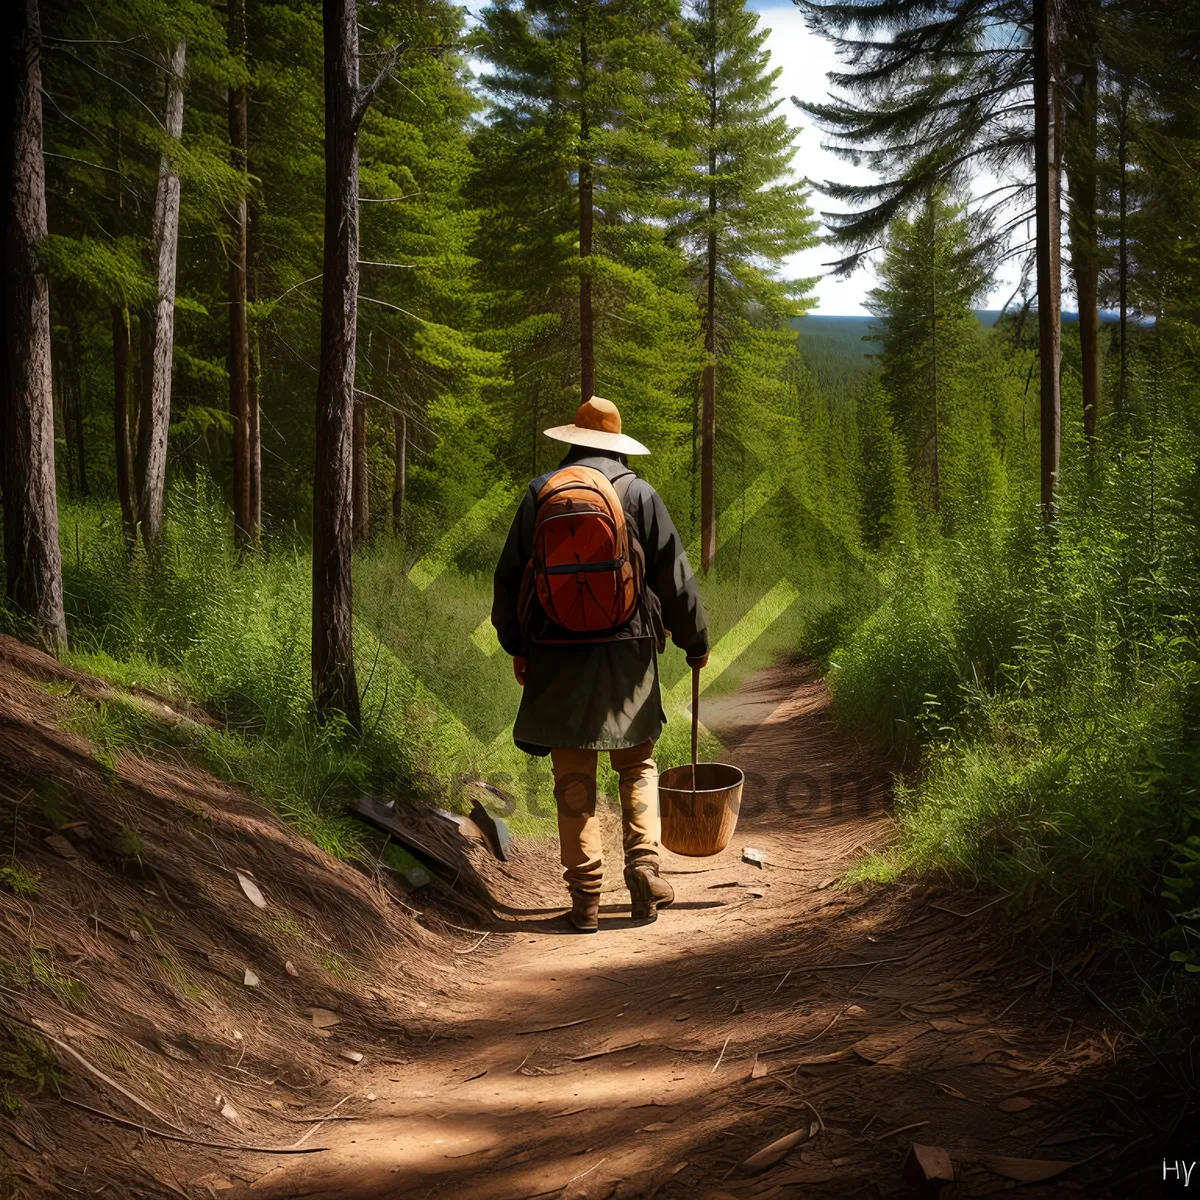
[621, 486]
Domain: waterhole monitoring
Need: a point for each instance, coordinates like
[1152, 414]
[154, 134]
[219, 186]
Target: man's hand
[698, 662]
[519, 669]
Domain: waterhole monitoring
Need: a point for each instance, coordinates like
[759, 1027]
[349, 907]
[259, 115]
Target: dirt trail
[624, 1064]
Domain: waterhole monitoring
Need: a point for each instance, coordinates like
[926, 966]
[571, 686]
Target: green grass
[27, 1068]
[1046, 698]
[39, 969]
[233, 635]
[19, 880]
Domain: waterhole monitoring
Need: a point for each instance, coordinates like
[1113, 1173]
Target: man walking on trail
[592, 577]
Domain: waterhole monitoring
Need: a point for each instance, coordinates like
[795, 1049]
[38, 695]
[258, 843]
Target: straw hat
[597, 424]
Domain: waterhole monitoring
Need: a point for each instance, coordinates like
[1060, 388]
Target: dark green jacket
[600, 696]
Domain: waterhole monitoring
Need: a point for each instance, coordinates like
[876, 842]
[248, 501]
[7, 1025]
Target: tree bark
[587, 338]
[1046, 27]
[401, 423]
[361, 478]
[335, 688]
[124, 450]
[155, 413]
[239, 332]
[33, 562]
[1080, 158]
[122, 446]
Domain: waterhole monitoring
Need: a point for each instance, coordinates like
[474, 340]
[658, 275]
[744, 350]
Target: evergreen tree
[578, 169]
[935, 91]
[420, 370]
[111, 253]
[929, 281]
[745, 213]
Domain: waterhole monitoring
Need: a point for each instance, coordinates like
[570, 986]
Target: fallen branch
[879, 1137]
[877, 962]
[190, 1141]
[295, 1146]
[964, 916]
[552, 1028]
[807, 1041]
[602, 1053]
[720, 1056]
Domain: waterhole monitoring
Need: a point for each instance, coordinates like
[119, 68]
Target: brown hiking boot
[585, 911]
[648, 892]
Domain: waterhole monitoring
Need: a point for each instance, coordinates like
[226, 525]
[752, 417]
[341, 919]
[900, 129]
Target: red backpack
[586, 570]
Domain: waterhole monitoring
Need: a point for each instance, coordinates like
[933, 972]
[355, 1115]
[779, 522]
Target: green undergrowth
[1044, 696]
[38, 970]
[27, 1068]
[201, 625]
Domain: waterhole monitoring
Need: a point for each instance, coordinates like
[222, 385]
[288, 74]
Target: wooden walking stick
[695, 727]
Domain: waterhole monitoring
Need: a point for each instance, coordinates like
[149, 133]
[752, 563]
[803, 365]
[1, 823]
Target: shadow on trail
[654, 1059]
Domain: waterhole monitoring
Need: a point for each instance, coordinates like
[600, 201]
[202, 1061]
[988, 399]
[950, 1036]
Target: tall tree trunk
[239, 332]
[33, 562]
[124, 450]
[75, 397]
[1123, 237]
[361, 484]
[155, 413]
[401, 423]
[708, 387]
[1046, 29]
[587, 337]
[334, 686]
[1080, 158]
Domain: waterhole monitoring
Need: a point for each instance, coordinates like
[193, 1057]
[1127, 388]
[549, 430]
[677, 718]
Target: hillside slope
[140, 979]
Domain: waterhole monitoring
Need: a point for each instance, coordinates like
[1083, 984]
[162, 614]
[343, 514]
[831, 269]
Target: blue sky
[806, 59]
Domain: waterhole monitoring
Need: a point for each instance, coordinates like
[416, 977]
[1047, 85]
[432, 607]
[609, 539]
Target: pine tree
[578, 169]
[1081, 98]
[933, 94]
[929, 280]
[419, 364]
[106, 72]
[745, 213]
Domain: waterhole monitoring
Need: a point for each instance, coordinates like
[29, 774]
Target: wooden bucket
[701, 822]
[699, 802]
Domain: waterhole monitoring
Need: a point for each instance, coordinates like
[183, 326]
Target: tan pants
[578, 826]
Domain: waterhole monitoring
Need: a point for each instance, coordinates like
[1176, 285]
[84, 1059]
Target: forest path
[624, 1064]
